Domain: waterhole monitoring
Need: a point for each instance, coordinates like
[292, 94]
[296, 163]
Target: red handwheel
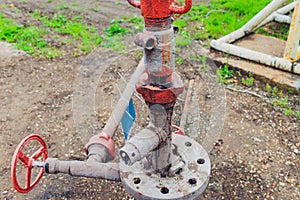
[28, 163]
[178, 131]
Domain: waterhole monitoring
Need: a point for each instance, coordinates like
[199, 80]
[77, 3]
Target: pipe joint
[102, 139]
[142, 144]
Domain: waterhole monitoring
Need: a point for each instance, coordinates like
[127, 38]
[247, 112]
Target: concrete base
[264, 44]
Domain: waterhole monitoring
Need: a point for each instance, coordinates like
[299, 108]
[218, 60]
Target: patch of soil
[256, 156]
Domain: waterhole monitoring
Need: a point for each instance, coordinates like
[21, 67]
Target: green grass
[268, 88]
[282, 103]
[298, 114]
[30, 39]
[224, 74]
[183, 39]
[219, 17]
[288, 111]
[116, 29]
[279, 30]
[72, 33]
[249, 81]
[114, 34]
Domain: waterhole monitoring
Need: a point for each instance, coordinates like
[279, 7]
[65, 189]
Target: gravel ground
[255, 156]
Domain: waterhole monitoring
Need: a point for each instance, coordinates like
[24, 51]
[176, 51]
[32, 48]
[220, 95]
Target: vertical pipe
[292, 44]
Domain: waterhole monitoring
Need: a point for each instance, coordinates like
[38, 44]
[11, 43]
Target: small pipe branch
[142, 144]
[108, 171]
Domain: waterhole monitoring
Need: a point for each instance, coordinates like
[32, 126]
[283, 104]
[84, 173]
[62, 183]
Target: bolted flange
[187, 179]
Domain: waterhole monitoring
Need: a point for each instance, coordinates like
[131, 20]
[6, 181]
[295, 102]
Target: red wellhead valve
[160, 9]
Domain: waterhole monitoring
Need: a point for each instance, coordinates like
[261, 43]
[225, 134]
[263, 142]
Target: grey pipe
[98, 153]
[117, 114]
[262, 58]
[142, 144]
[108, 171]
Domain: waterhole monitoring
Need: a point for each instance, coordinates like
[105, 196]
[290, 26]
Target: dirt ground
[255, 155]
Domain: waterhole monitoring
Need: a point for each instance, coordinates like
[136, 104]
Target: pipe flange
[189, 180]
[104, 140]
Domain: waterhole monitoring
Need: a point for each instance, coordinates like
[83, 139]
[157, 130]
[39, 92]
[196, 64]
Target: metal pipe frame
[273, 11]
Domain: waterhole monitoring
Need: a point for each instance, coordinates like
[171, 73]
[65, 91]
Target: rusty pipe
[108, 171]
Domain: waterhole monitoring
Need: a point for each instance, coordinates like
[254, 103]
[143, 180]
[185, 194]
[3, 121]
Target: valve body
[160, 85]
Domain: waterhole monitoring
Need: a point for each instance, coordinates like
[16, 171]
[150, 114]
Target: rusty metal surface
[189, 181]
[160, 9]
[160, 95]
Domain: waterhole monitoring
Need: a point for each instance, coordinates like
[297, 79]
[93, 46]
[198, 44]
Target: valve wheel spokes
[28, 163]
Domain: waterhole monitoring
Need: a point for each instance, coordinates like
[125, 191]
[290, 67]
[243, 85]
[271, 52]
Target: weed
[179, 60]
[3, 6]
[135, 19]
[291, 91]
[114, 42]
[114, 35]
[183, 39]
[115, 29]
[298, 114]
[138, 22]
[85, 36]
[224, 74]
[248, 81]
[281, 103]
[63, 7]
[280, 94]
[288, 111]
[75, 4]
[180, 23]
[30, 39]
[274, 91]
[96, 9]
[280, 31]
[268, 88]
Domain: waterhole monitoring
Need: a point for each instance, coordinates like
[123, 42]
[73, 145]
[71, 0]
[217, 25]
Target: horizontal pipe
[259, 57]
[282, 18]
[142, 144]
[108, 171]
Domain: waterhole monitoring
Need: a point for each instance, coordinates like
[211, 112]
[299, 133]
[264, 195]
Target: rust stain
[193, 166]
